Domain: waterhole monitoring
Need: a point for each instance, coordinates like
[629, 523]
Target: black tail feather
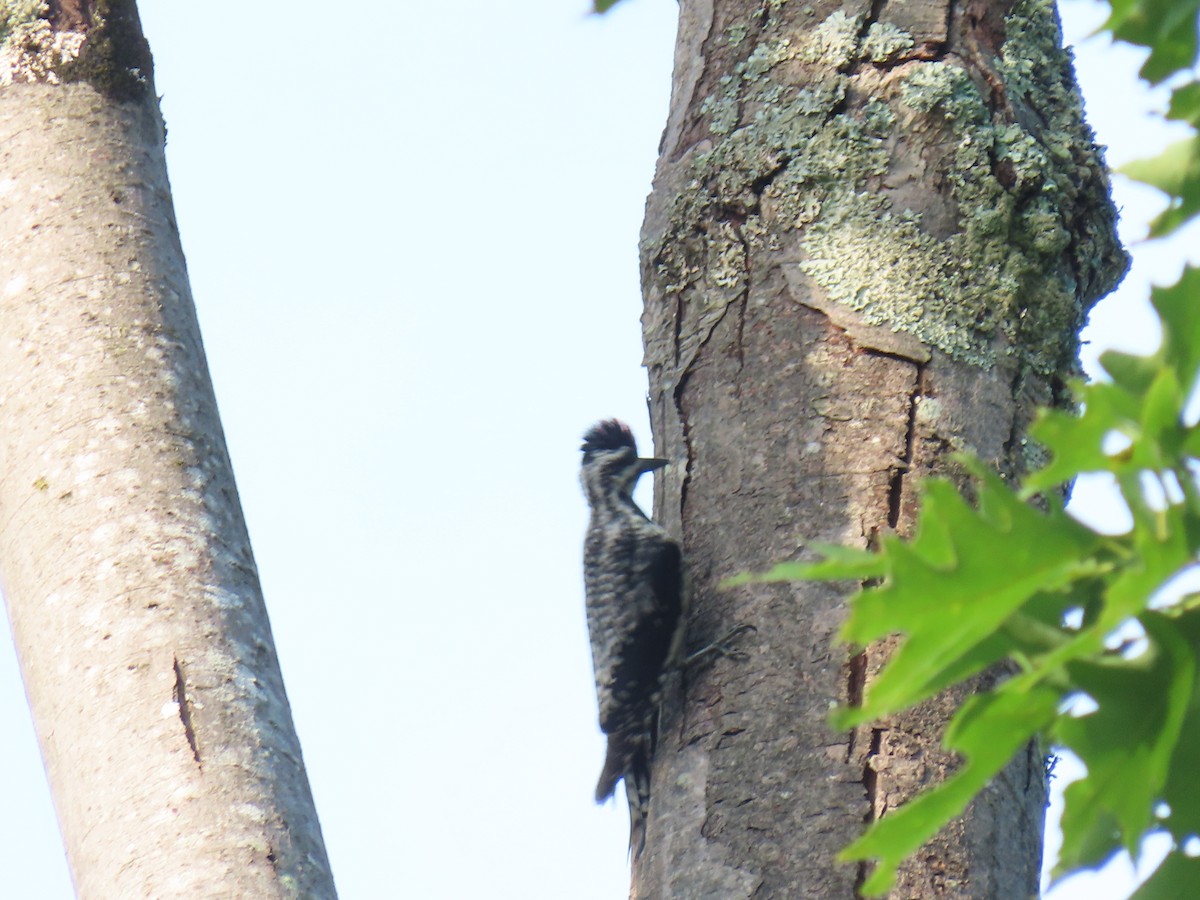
[629, 760]
[637, 791]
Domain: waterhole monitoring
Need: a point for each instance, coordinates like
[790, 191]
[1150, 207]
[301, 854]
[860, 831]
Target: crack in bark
[764, 181]
[70, 15]
[1032, 763]
[926, 51]
[684, 372]
[677, 331]
[683, 369]
[741, 336]
[900, 473]
[856, 682]
[684, 428]
[185, 709]
[690, 130]
[870, 782]
[743, 304]
[975, 58]
[1015, 431]
[870, 19]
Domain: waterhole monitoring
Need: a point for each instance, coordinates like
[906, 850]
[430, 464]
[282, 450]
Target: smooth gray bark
[126, 566]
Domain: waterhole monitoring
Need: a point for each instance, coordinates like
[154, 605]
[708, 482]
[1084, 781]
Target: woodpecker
[636, 612]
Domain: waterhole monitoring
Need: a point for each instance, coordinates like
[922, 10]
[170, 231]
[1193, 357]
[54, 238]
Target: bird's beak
[649, 465]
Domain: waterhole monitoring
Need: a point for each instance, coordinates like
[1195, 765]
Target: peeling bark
[874, 233]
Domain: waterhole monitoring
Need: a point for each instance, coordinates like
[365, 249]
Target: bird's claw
[723, 646]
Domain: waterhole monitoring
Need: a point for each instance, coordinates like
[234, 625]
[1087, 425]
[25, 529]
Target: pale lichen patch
[886, 43]
[32, 51]
[806, 161]
[834, 43]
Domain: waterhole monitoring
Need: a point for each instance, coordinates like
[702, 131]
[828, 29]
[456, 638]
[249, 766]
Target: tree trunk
[875, 231]
[131, 588]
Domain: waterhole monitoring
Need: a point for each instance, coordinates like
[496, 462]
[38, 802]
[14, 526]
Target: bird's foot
[722, 647]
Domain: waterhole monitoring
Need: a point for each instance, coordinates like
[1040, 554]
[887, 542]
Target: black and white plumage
[635, 610]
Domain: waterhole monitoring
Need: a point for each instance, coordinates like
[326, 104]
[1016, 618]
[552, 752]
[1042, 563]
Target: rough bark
[875, 231]
[132, 592]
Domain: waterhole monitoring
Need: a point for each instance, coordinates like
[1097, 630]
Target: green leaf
[1185, 104]
[1167, 27]
[1142, 704]
[1176, 878]
[1160, 550]
[1076, 442]
[1144, 402]
[1176, 172]
[1165, 171]
[838, 564]
[963, 576]
[603, 6]
[1178, 306]
[1159, 434]
[1182, 791]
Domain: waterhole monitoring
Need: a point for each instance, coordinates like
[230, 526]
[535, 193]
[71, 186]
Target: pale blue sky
[413, 246]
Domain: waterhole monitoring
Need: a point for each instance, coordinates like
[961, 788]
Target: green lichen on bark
[14, 13]
[805, 139]
[29, 46]
[885, 43]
